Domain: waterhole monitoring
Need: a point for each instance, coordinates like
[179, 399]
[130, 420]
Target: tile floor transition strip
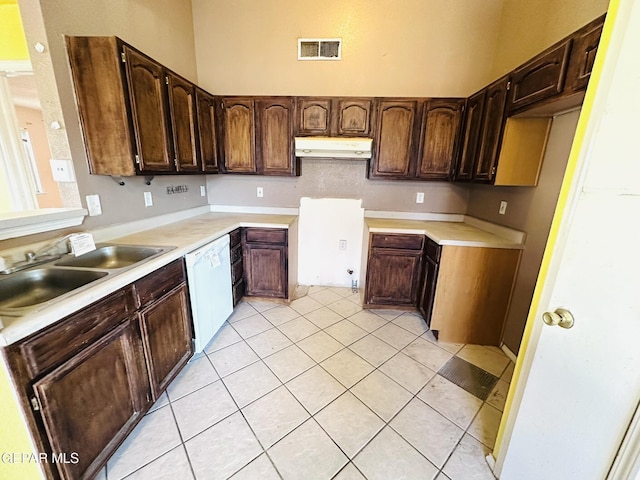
[473, 379]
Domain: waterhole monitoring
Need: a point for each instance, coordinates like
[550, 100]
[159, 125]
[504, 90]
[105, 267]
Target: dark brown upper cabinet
[257, 135]
[483, 126]
[540, 78]
[492, 126]
[333, 116]
[147, 94]
[238, 134]
[182, 109]
[313, 116]
[583, 54]
[395, 141]
[471, 137]
[137, 117]
[440, 133]
[207, 123]
[274, 136]
[353, 116]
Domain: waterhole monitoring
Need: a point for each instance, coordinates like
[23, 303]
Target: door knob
[561, 317]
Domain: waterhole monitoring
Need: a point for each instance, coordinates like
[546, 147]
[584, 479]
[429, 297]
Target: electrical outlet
[259, 192]
[420, 197]
[342, 245]
[503, 208]
[148, 199]
[203, 191]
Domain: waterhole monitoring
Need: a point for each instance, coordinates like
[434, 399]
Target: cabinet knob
[561, 317]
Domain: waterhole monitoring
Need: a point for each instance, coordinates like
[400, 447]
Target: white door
[576, 390]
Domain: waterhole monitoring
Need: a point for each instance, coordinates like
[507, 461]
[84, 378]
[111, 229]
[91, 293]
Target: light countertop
[464, 234]
[185, 236]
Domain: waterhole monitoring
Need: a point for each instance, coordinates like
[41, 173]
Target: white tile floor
[319, 389]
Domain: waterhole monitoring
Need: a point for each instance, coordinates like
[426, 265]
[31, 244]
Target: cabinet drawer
[266, 235]
[432, 250]
[236, 253]
[156, 284]
[234, 238]
[236, 271]
[394, 240]
[67, 337]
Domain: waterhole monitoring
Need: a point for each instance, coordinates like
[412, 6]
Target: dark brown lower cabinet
[166, 331]
[93, 400]
[394, 270]
[85, 381]
[428, 292]
[237, 267]
[265, 262]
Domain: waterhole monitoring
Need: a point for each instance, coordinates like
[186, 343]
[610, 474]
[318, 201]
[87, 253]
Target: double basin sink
[36, 287]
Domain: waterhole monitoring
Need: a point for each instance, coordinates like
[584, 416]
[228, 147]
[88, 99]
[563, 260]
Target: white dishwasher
[209, 279]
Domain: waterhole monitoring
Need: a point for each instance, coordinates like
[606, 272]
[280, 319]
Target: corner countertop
[185, 235]
[469, 233]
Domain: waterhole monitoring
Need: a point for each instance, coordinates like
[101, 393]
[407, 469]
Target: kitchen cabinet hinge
[35, 404]
[493, 171]
[122, 56]
[175, 162]
[509, 85]
[166, 80]
[137, 159]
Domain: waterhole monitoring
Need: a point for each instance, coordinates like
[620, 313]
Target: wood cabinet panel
[275, 136]
[265, 235]
[160, 282]
[182, 108]
[393, 277]
[207, 124]
[166, 332]
[394, 142]
[313, 116]
[492, 126]
[398, 241]
[471, 137]
[471, 308]
[92, 401]
[441, 124]
[263, 267]
[540, 78]
[147, 95]
[583, 54]
[353, 117]
[265, 262]
[238, 125]
[102, 104]
[55, 344]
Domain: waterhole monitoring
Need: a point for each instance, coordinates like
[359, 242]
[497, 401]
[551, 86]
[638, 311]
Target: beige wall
[530, 210]
[31, 120]
[390, 48]
[527, 27]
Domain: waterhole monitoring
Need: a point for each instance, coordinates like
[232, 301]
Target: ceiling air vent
[319, 48]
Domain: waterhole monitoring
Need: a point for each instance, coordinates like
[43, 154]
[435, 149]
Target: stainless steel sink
[112, 257]
[32, 287]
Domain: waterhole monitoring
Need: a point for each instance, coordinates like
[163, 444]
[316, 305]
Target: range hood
[333, 147]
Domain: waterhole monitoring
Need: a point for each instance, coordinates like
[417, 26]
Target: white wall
[323, 223]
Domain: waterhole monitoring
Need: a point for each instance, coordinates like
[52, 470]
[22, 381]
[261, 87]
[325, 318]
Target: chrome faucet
[41, 256]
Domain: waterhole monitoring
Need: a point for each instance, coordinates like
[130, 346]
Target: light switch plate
[93, 205]
[62, 170]
[203, 191]
[259, 192]
[503, 208]
[420, 197]
[148, 199]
